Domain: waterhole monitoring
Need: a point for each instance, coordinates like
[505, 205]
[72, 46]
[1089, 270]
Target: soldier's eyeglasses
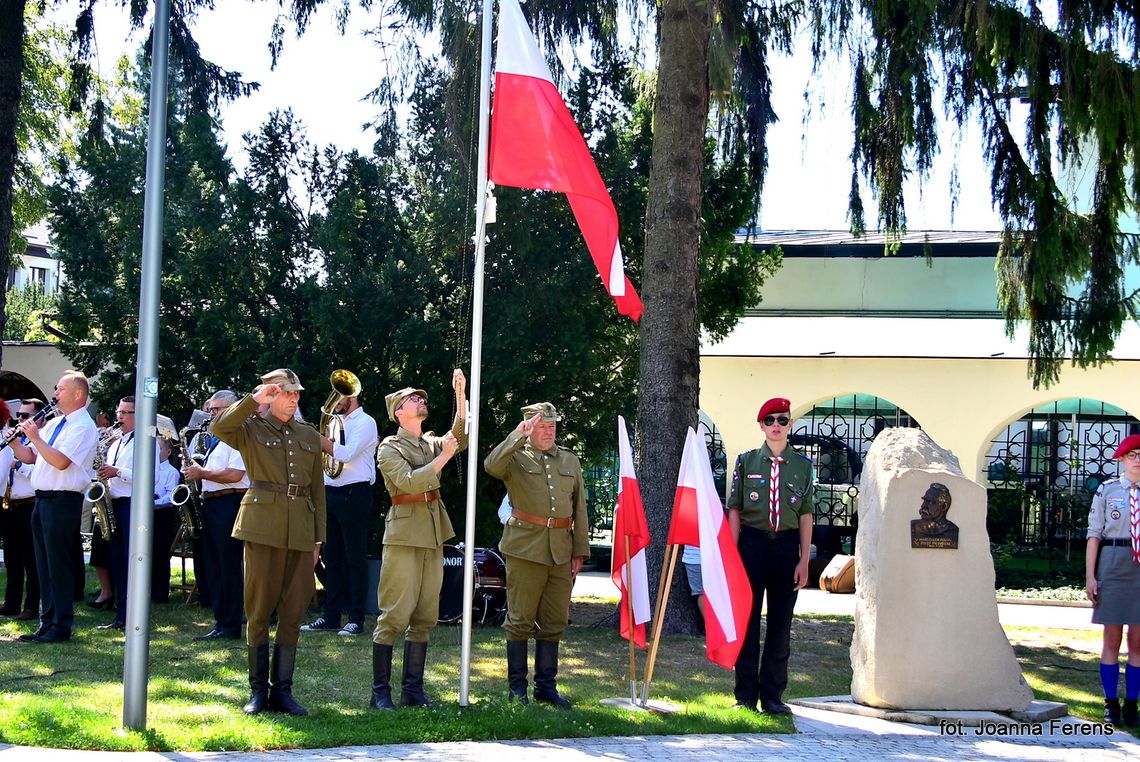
[1134, 455]
[771, 419]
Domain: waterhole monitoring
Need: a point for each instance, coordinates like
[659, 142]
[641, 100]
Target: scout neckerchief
[1134, 516]
[774, 493]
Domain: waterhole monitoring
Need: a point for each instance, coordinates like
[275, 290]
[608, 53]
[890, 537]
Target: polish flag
[699, 520]
[535, 143]
[629, 524]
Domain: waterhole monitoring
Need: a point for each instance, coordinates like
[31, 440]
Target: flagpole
[476, 354]
[663, 588]
[627, 572]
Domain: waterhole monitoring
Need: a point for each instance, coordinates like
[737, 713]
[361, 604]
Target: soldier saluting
[415, 529]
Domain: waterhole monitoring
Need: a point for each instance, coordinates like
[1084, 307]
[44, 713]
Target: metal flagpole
[481, 195]
[137, 631]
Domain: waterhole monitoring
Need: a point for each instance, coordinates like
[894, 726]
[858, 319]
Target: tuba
[97, 493]
[345, 384]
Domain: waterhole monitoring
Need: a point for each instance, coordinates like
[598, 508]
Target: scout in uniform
[411, 573]
[545, 543]
[282, 522]
[770, 507]
[1112, 580]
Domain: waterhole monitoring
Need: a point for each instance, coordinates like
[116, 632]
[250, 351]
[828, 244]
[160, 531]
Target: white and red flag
[535, 143]
[630, 524]
[699, 520]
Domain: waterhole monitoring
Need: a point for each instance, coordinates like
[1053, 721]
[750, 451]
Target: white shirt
[20, 476]
[358, 453]
[221, 457]
[121, 455]
[77, 441]
[164, 483]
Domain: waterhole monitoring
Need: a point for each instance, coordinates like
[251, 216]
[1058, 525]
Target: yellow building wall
[42, 364]
[961, 403]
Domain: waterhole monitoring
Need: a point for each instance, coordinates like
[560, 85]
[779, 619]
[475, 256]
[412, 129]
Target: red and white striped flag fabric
[535, 143]
[698, 519]
[629, 523]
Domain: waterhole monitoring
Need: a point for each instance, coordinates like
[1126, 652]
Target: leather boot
[415, 654]
[381, 678]
[546, 674]
[1129, 715]
[281, 682]
[1112, 711]
[258, 657]
[516, 671]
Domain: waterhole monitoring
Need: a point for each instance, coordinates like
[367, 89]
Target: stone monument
[927, 634]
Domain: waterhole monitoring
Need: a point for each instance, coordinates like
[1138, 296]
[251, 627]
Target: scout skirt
[1118, 581]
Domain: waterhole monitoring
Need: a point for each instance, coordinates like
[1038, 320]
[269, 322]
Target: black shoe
[31, 637]
[775, 707]
[1112, 711]
[211, 635]
[741, 706]
[7, 610]
[319, 624]
[55, 635]
[118, 624]
[106, 603]
[1129, 715]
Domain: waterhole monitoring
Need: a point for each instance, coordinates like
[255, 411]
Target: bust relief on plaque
[934, 530]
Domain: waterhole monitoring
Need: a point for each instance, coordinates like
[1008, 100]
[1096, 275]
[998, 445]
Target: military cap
[773, 406]
[284, 376]
[395, 399]
[545, 408]
[1130, 443]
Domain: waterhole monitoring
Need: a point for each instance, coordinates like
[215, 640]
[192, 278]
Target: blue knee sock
[1131, 682]
[1110, 679]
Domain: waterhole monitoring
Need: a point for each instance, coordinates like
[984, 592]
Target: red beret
[1130, 443]
[772, 406]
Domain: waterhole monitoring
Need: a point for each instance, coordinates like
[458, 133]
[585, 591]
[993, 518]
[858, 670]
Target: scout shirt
[1110, 515]
[750, 487]
[545, 484]
[281, 453]
[404, 461]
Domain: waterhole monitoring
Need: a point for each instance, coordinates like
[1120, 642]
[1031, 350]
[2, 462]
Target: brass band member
[224, 483]
[545, 542]
[20, 601]
[414, 532]
[166, 522]
[282, 521]
[62, 459]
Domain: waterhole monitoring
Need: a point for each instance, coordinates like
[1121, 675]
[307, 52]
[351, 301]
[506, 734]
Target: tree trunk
[670, 357]
[11, 72]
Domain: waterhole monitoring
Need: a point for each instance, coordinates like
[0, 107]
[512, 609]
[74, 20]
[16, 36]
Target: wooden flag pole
[669, 562]
[627, 574]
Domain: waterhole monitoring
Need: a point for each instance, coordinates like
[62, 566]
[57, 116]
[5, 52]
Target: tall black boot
[546, 674]
[516, 671]
[281, 682]
[381, 678]
[415, 654]
[258, 657]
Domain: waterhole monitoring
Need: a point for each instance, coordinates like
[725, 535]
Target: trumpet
[50, 410]
[345, 384]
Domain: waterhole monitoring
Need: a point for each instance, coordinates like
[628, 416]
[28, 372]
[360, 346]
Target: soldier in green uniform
[282, 522]
[415, 529]
[545, 543]
[770, 511]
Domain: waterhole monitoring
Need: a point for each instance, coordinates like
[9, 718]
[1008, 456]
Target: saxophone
[97, 493]
[187, 498]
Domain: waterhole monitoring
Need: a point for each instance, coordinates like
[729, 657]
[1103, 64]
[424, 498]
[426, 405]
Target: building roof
[842, 243]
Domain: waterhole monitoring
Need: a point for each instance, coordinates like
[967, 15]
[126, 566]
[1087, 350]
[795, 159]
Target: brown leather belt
[292, 490]
[21, 502]
[223, 493]
[419, 497]
[550, 523]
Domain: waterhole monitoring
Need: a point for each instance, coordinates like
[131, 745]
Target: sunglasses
[783, 420]
[23, 416]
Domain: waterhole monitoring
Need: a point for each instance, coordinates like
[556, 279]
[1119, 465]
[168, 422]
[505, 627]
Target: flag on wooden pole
[630, 526]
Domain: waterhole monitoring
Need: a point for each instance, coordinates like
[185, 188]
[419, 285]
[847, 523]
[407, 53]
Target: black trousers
[20, 559]
[55, 536]
[223, 557]
[770, 563]
[345, 551]
[120, 553]
[164, 529]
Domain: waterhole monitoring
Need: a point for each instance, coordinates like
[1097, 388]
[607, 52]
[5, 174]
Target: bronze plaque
[934, 530]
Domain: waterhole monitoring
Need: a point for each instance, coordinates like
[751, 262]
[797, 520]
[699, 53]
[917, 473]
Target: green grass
[70, 695]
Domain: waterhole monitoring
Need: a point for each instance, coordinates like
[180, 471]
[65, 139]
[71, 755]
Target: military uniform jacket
[281, 453]
[543, 484]
[404, 460]
[751, 484]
